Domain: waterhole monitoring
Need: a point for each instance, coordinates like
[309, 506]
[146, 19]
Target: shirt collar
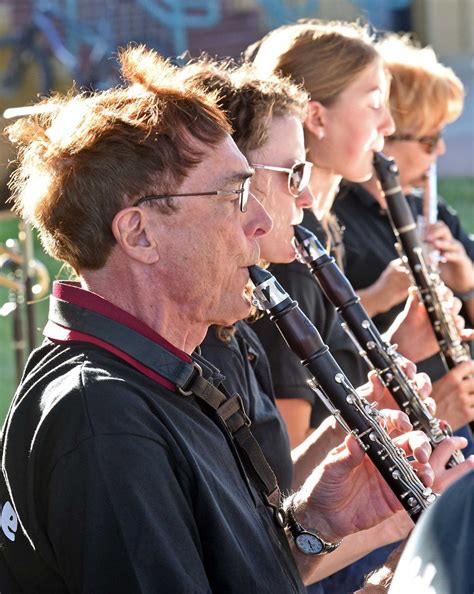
[72, 292]
[365, 198]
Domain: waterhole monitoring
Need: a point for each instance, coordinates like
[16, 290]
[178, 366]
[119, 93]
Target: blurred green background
[9, 230]
[458, 192]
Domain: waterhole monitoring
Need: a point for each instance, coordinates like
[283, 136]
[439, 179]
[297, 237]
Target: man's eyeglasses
[243, 193]
[430, 142]
[298, 175]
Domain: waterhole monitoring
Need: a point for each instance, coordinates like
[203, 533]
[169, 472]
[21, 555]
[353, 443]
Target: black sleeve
[228, 359]
[122, 532]
[449, 216]
[244, 363]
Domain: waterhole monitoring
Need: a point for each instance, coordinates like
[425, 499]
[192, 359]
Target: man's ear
[132, 230]
[315, 121]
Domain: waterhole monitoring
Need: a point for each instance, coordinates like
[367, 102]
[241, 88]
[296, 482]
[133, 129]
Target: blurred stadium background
[62, 40]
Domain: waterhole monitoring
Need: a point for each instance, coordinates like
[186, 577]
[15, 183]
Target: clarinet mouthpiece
[308, 247]
[302, 234]
[384, 165]
[258, 275]
[268, 295]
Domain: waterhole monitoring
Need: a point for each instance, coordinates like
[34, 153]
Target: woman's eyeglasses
[430, 142]
[243, 193]
[298, 175]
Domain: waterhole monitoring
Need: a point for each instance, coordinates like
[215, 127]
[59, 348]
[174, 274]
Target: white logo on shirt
[414, 578]
[9, 521]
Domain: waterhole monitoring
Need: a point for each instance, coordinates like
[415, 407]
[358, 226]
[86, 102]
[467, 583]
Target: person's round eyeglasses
[430, 142]
[298, 175]
[243, 193]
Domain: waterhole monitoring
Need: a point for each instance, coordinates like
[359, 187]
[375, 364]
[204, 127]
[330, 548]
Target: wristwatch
[307, 542]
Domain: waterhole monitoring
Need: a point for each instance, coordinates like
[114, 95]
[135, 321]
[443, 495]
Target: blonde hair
[86, 157]
[424, 94]
[324, 57]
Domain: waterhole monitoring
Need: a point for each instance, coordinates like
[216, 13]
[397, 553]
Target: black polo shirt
[124, 485]
[369, 242]
[245, 366]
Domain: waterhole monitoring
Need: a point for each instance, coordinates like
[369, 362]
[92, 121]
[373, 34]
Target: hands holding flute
[455, 266]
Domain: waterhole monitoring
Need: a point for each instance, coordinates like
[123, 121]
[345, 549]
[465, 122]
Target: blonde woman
[348, 119]
[425, 96]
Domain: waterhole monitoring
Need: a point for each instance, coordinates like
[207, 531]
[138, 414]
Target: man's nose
[257, 220]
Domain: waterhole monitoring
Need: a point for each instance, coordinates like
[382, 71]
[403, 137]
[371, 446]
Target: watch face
[309, 543]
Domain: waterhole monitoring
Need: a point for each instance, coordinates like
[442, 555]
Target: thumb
[444, 450]
[348, 455]
[467, 334]
[413, 300]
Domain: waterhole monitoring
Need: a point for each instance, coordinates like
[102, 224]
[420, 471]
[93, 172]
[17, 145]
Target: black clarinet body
[425, 277]
[353, 412]
[379, 355]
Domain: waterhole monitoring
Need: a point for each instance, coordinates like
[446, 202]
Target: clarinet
[378, 354]
[425, 277]
[355, 414]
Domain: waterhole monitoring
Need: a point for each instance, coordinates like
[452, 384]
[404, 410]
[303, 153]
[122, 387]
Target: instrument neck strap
[92, 327]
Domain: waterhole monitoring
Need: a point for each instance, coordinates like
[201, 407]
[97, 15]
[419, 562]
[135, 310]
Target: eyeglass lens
[299, 177]
[431, 142]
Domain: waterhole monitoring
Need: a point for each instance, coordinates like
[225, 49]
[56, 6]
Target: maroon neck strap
[185, 376]
[80, 315]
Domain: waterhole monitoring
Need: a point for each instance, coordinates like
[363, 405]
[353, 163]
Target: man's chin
[239, 312]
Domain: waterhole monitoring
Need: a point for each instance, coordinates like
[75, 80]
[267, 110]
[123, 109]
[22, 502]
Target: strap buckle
[197, 372]
[230, 406]
[247, 420]
[274, 501]
[281, 517]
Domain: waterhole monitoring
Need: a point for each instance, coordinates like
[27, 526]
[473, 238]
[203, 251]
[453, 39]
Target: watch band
[306, 541]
